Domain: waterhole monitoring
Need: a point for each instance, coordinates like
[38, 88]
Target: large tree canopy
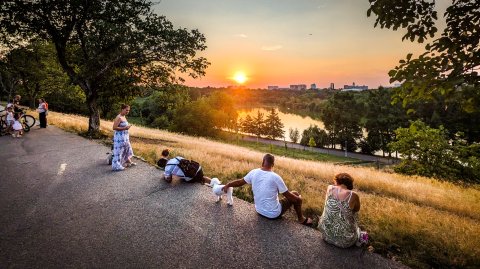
[106, 47]
[450, 62]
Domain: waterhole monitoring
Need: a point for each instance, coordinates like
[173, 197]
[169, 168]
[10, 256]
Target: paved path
[62, 207]
[336, 152]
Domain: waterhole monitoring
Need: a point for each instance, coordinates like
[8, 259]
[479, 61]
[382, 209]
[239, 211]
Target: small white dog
[217, 190]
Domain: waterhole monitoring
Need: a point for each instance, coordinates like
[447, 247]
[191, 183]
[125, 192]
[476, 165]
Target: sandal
[306, 223]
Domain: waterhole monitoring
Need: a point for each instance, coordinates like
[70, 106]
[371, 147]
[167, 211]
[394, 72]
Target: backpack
[188, 167]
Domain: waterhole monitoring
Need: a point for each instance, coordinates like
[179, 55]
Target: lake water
[289, 120]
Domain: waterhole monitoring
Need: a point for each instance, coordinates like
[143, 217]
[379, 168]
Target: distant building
[332, 86]
[313, 86]
[272, 87]
[354, 87]
[298, 87]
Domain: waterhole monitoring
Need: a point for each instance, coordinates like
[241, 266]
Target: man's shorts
[285, 203]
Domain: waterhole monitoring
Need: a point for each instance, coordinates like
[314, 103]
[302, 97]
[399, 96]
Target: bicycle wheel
[28, 120]
[26, 128]
[3, 127]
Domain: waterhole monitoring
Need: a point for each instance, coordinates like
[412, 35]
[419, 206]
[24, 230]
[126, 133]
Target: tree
[311, 142]
[225, 114]
[194, 118]
[381, 120]
[258, 124]
[450, 113]
[105, 47]
[342, 115]
[320, 136]
[247, 125]
[33, 72]
[8, 82]
[294, 135]
[450, 62]
[27, 65]
[428, 151]
[273, 125]
[425, 151]
[159, 108]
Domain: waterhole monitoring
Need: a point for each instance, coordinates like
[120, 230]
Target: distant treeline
[438, 138]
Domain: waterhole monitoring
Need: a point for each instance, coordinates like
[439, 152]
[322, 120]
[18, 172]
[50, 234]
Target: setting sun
[240, 77]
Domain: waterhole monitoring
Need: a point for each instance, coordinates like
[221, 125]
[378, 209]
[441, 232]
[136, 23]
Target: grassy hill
[422, 222]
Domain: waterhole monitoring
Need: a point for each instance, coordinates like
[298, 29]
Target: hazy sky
[283, 42]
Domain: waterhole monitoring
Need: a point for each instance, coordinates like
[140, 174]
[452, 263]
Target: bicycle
[26, 120]
[3, 125]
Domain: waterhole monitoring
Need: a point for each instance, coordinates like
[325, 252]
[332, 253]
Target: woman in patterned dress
[122, 150]
[339, 221]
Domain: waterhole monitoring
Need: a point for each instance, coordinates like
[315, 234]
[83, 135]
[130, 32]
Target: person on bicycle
[27, 120]
[16, 104]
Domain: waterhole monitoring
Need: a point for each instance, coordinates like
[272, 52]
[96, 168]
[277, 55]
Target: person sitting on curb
[266, 185]
[339, 221]
[173, 169]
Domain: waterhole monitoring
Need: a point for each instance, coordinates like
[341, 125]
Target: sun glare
[240, 77]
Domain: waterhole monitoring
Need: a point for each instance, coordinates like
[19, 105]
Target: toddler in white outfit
[10, 119]
[17, 127]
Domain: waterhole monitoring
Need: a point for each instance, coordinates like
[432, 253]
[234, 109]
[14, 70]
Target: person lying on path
[173, 169]
[266, 185]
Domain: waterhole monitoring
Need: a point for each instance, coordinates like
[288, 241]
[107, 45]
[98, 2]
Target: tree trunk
[94, 116]
[86, 86]
[32, 102]
[35, 95]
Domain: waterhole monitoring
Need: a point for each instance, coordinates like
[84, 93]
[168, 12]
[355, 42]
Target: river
[289, 120]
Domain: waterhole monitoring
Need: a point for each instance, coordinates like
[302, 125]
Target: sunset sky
[283, 42]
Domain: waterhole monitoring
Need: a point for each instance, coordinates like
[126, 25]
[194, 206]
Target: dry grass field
[422, 222]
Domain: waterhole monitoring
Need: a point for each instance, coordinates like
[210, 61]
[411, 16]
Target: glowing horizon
[280, 43]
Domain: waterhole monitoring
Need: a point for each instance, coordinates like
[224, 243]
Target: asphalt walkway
[61, 206]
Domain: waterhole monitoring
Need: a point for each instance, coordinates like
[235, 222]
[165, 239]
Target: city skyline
[285, 42]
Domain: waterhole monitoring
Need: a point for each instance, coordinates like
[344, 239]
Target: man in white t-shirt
[266, 185]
